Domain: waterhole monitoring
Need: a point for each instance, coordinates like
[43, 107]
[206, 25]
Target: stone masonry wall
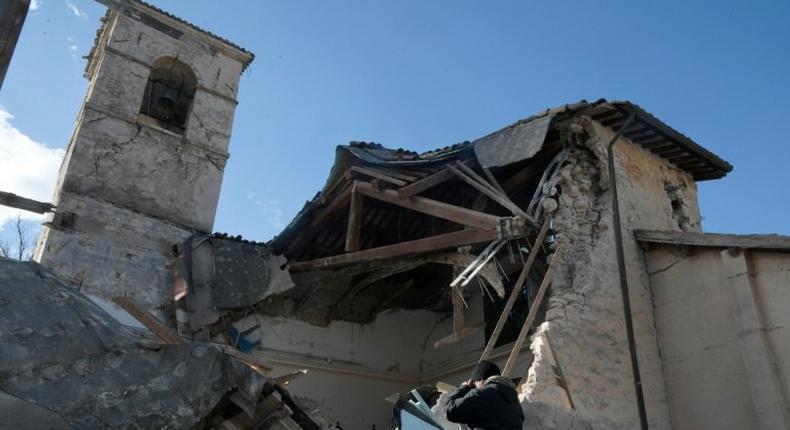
[135, 188]
[98, 265]
[585, 319]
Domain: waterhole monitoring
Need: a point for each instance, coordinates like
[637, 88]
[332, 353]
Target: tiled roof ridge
[112, 4]
[195, 27]
[716, 166]
[466, 143]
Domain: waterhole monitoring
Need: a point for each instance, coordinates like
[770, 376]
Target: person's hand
[469, 382]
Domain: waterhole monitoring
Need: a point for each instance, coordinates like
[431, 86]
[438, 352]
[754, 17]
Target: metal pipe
[618, 236]
[483, 263]
[474, 263]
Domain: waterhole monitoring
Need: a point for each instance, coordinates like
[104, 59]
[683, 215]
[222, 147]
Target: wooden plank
[402, 174]
[459, 304]
[428, 244]
[771, 242]
[432, 207]
[558, 375]
[341, 183]
[256, 363]
[322, 215]
[511, 300]
[488, 272]
[148, 320]
[377, 175]
[354, 221]
[425, 183]
[169, 336]
[24, 203]
[288, 377]
[493, 180]
[472, 174]
[489, 191]
[341, 201]
[518, 179]
[533, 312]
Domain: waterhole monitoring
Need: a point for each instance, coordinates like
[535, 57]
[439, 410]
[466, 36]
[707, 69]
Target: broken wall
[722, 325]
[354, 367]
[585, 308]
[130, 188]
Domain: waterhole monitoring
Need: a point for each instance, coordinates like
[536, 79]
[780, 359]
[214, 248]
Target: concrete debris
[68, 362]
[214, 275]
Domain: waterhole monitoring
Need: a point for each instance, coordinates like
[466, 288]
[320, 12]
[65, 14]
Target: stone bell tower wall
[144, 166]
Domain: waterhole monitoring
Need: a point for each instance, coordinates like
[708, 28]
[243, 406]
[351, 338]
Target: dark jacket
[493, 407]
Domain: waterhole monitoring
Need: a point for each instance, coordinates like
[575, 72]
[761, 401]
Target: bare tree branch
[23, 238]
[5, 248]
[21, 246]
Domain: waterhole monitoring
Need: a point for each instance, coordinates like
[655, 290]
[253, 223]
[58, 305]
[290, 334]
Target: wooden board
[432, 207]
[425, 183]
[428, 244]
[771, 242]
[19, 202]
[354, 222]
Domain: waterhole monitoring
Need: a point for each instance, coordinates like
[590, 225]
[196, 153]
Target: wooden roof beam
[354, 221]
[340, 201]
[471, 178]
[19, 202]
[425, 183]
[376, 175]
[402, 249]
[432, 207]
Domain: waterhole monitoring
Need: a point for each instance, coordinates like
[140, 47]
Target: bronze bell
[168, 99]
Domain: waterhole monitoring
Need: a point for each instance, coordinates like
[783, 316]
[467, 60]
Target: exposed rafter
[458, 214]
[412, 247]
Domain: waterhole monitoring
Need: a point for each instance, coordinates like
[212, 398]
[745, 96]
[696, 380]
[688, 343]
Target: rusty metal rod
[618, 236]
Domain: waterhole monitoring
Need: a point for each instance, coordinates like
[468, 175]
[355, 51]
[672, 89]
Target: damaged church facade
[407, 267]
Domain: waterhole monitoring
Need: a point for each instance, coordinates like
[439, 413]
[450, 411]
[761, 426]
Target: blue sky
[425, 74]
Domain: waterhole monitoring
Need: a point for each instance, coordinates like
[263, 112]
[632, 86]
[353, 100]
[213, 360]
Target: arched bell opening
[169, 93]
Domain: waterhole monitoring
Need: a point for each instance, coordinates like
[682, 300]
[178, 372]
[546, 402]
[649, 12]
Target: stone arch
[169, 93]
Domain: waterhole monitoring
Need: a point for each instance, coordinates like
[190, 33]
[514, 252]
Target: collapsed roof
[417, 204]
[516, 142]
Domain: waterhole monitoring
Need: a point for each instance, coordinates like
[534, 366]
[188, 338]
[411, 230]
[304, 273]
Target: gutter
[618, 235]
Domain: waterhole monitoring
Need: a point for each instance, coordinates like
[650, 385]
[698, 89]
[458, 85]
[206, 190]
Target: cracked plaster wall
[394, 353]
[352, 367]
[136, 188]
[585, 319]
[706, 358]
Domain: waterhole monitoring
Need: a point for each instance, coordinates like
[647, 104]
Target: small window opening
[169, 94]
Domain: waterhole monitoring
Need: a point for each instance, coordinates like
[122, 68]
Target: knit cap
[484, 370]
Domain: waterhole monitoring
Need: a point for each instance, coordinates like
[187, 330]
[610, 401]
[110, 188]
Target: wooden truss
[401, 188]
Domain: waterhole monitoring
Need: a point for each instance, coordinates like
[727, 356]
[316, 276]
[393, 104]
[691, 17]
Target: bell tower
[144, 166]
